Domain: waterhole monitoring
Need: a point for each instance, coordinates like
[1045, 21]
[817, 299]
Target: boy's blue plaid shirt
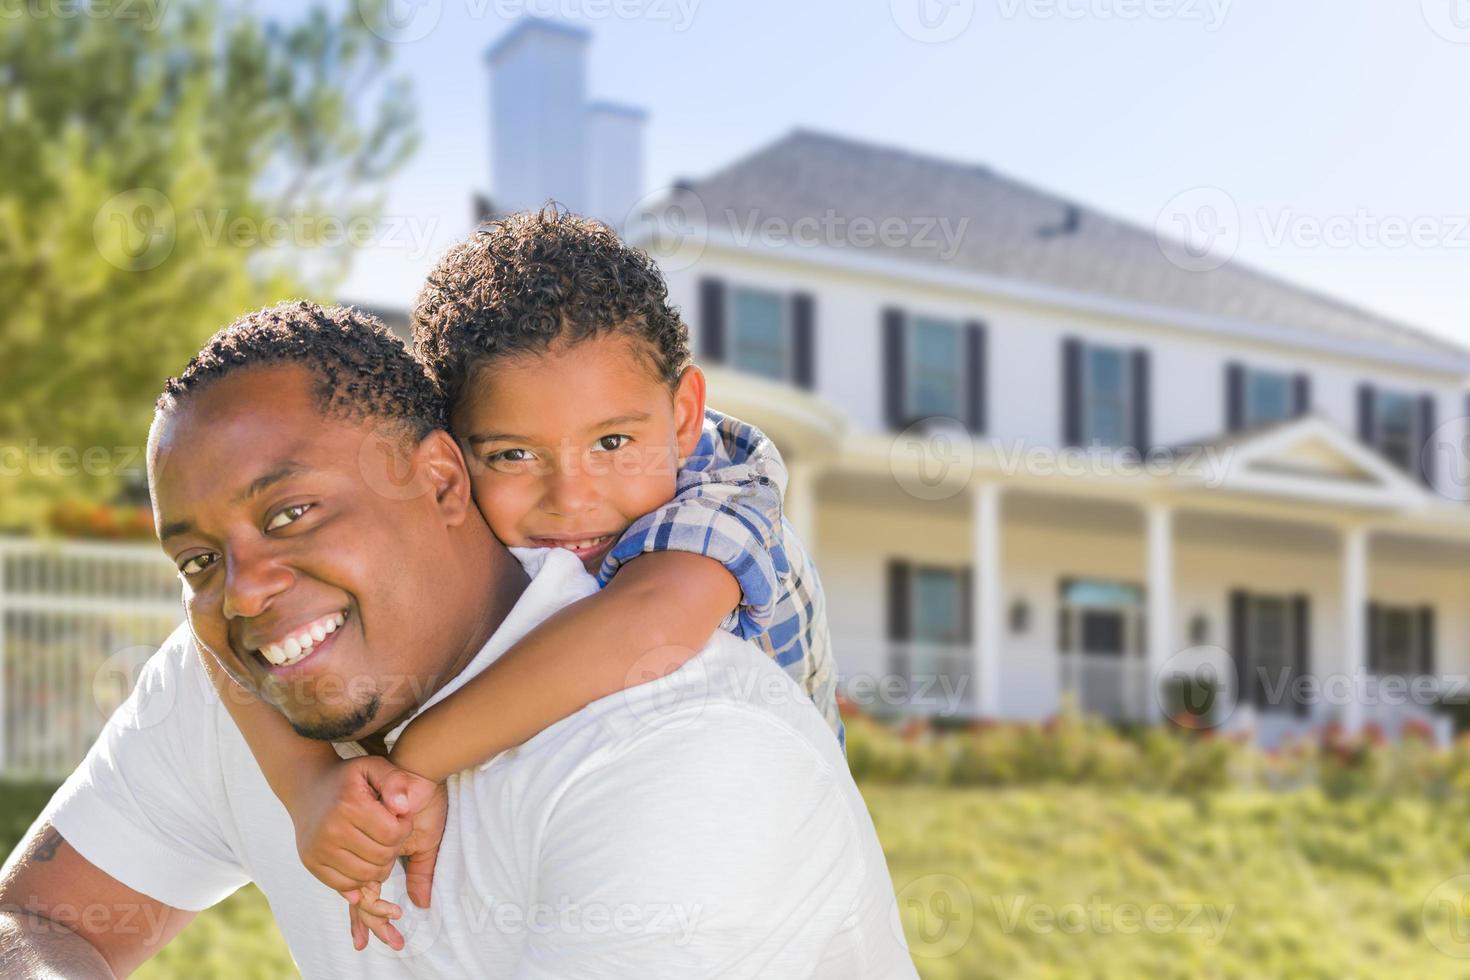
[728, 507]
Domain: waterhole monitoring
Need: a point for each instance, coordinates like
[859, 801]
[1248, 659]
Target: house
[1037, 460]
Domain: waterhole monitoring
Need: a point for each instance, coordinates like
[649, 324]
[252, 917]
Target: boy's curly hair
[534, 278]
[362, 370]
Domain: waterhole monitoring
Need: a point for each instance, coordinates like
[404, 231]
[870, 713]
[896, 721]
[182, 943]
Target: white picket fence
[77, 622]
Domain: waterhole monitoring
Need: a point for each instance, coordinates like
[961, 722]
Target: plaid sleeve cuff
[724, 522]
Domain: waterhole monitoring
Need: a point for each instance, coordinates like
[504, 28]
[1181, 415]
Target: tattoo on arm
[46, 849]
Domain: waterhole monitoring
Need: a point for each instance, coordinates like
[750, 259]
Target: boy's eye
[287, 515]
[198, 563]
[614, 442]
[510, 456]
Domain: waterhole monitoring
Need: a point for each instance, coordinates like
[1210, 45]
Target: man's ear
[444, 468]
[689, 410]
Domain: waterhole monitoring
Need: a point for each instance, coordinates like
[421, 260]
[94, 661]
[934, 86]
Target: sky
[1327, 139]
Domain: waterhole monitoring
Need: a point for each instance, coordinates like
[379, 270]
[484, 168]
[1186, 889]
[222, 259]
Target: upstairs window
[1107, 405]
[936, 381]
[759, 335]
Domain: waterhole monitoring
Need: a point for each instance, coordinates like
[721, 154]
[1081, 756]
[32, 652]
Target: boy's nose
[567, 495]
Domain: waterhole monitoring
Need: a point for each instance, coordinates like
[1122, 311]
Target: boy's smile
[570, 446]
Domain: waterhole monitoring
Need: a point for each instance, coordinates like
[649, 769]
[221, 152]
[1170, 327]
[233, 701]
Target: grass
[1061, 881]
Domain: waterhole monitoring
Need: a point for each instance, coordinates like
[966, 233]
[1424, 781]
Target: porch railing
[1114, 687]
[77, 622]
[911, 677]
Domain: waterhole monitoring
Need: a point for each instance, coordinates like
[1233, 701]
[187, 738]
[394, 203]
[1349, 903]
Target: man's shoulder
[729, 703]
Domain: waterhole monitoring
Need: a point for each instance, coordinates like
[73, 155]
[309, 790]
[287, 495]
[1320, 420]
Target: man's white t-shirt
[704, 824]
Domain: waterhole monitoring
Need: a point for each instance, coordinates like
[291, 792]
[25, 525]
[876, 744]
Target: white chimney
[614, 160]
[546, 141]
[538, 115]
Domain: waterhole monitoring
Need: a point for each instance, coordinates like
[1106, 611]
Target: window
[1101, 617]
[1396, 428]
[759, 340]
[1272, 658]
[1268, 397]
[938, 604]
[1399, 640]
[1106, 401]
[936, 365]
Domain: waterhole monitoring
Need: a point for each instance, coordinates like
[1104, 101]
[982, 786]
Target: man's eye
[288, 515]
[613, 442]
[198, 563]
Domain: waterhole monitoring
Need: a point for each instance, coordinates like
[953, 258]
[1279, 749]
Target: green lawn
[1071, 882]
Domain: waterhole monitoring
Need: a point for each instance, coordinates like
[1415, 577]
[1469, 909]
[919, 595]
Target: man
[703, 824]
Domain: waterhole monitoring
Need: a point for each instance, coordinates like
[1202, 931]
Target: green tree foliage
[163, 169]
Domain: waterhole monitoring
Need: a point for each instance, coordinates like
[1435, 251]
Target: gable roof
[1306, 458]
[1017, 232]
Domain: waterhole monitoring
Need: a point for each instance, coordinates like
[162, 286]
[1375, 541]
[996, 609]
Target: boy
[569, 387]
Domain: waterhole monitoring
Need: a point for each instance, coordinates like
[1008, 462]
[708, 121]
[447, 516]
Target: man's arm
[61, 916]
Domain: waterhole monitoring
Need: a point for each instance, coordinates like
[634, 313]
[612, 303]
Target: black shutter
[712, 320]
[1301, 395]
[1367, 430]
[1072, 391]
[1301, 621]
[1426, 439]
[1234, 397]
[1240, 646]
[975, 351]
[1426, 641]
[900, 626]
[893, 369]
[804, 340]
[1373, 639]
[1141, 411]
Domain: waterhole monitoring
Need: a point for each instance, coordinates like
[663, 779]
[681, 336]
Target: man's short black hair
[533, 278]
[362, 370]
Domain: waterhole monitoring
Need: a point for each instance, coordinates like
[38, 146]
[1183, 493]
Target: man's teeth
[299, 645]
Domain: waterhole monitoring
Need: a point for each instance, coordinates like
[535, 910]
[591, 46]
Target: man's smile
[289, 647]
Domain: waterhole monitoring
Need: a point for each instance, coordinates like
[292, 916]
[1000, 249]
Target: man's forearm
[38, 948]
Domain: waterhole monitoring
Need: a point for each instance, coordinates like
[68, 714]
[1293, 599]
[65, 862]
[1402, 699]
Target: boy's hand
[346, 834]
[371, 913]
[424, 805]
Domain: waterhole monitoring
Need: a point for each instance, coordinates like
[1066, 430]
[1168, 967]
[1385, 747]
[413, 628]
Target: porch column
[1354, 602]
[800, 503]
[1160, 543]
[987, 586]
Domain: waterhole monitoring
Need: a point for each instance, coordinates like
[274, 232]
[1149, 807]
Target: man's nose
[253, 579]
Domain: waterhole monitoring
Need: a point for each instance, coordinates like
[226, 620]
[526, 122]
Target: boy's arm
[290, 762]
[654, 616]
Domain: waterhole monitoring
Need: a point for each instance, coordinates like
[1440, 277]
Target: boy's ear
[689, 410]
[447, 476]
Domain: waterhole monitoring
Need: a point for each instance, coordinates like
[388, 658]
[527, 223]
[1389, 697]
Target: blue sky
[1338, 129]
